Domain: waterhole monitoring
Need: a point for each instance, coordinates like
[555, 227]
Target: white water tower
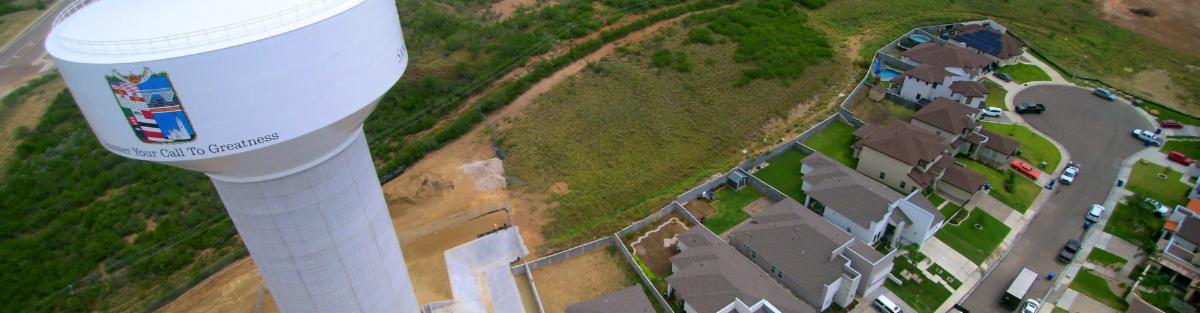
[268, 98]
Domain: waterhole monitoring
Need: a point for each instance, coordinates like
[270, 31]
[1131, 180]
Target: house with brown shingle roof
[946, 118]
[945, 70]
[899, 155]
[866, 208]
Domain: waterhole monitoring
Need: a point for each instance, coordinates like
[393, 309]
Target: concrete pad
[480, 278]
[1067, 299]
[993, 207]
[1083, 303]
[943, 255]
[1014, 220]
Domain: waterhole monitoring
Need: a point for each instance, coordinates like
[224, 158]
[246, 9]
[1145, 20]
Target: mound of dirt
[1171, 23]
[488, 174]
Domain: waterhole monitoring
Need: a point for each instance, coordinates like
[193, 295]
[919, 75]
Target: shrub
[700, 35]
[771, 36]
[813, 4]
[661, 58]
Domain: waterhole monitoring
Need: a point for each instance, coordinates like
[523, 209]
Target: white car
[1094, 214]
[1031, 306]
[993, 112]
[1069, 174]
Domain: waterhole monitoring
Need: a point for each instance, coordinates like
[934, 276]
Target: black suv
[1067, 254]
[1028, 107]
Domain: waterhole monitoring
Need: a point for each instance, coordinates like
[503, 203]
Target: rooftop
[990, 41]
[928, 73]
[901, 141]
[799, 243]
[963, 178]
[1001, 143]
[969, 88]
[947, 115]
[712, 274]
[861, 199]
[631, 299]
[945, 55]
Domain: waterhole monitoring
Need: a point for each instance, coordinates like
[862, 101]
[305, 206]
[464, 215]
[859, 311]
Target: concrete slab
[1082, 303]
[993, 207]
[945, 256]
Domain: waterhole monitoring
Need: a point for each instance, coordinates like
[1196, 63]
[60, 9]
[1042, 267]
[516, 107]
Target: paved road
[17, 63]
[1096, 134]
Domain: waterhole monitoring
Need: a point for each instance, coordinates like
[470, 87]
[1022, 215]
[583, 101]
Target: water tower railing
[194, 38]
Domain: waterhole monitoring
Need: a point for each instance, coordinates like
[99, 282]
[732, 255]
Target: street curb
[35, 22]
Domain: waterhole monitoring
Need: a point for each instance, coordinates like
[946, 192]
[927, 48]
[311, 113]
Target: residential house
[816, 260]
[939, 67]
[1181, 252]
[998, 150]
[867, 209]
[992, 39]
[956, 123]
[708, 275]
[631, 299]
[900, 155]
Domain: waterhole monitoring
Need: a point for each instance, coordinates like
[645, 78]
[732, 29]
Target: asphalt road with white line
[1096, 133]
[19, 62]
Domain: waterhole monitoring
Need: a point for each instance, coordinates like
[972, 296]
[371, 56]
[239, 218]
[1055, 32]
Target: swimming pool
[888, 74]
[919, 38]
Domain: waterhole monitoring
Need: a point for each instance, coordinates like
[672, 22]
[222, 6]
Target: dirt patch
[657, 246]
[577, 279]
[1155, 82]
[488, 174]
[1171, 23]
[427, 264]
[505, 8]
[757, 206]
[700, 208]
[853, 45]
[25, 115]
[235, 288]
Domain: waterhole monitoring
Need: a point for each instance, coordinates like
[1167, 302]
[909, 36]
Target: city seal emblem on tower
[151, 106]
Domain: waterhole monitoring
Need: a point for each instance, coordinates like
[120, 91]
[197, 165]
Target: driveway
[1096, 134]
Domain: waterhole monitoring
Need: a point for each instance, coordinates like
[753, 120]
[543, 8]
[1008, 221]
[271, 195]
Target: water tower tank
[266, 97]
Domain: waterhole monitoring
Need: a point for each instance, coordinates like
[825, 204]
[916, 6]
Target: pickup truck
[1147, 137]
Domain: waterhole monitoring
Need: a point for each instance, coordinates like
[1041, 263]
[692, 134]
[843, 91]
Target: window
[902, 184]
[882, 175]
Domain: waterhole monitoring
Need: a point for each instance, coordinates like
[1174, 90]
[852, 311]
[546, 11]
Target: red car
[1170, 124]
[1178, 157]
[1025, 169]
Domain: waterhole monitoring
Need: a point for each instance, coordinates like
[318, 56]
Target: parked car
[1030, 107]
[1069, 174]
[886, 305]
[1147, 137]
[1170, 124]
[1178, 157]
[1004, 76]
[1067, 254]
[1031, 306]
[993, 112]
[1025, 169]
[1104, 93]
[1094, 213]
[1158, 207]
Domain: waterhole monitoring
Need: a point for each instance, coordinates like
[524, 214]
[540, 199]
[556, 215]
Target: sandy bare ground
[25, 114]
[234, 289]
[505, 8]
[1173, 23]
[580, 278]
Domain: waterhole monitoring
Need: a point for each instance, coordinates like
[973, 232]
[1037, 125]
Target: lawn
[944, 275]
[949, 209]
[1144, 180]
[1096, 287]
[729, 204]
[923, 296]
[783, 173]
[1105, 258]
[1190, 148]
[1131, 224]
[1022, 195]
[995, 97]
[1034, 148]
[834, 141]
[975, 244]
[1168, 114]
[1024, 73]
[936, 199]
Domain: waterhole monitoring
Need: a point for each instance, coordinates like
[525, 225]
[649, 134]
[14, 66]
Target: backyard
[1022, 195]
[1096, 287]
[1137, 225]
[1145, 180]
[949, 210]
[922, 293]
[783, 173]
[729, 205]
[996, 94]
[976, 237]
[834, 141]
[880, 112]
[1023, 73]
[1034, 148]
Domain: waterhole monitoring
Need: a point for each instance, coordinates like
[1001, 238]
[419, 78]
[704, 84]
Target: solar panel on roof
[986, 41]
